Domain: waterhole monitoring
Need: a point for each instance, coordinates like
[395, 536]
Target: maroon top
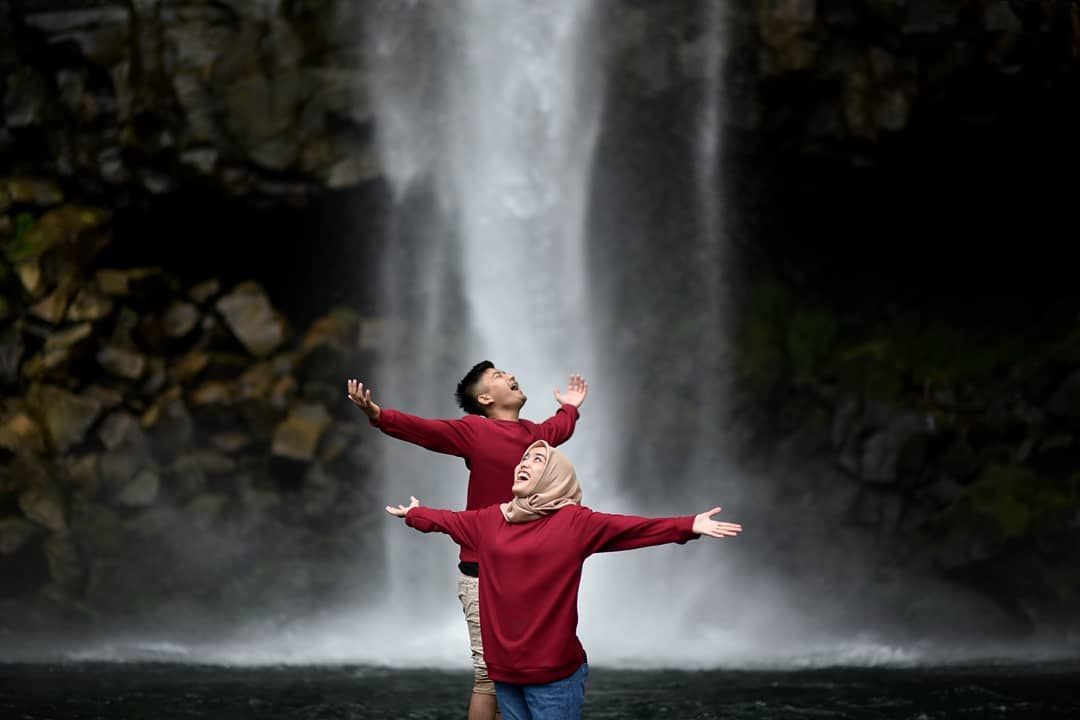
[529, 578]
[491, 448]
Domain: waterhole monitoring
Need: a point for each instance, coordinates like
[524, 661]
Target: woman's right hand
[403, 510]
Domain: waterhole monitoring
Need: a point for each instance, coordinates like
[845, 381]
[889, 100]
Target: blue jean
[559, 700]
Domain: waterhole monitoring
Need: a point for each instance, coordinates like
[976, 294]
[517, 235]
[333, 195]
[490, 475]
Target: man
[490, 438]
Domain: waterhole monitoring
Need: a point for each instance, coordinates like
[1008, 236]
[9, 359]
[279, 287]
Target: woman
[531, 550]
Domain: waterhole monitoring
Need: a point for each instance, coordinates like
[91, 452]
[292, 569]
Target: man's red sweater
[529, 578]
[491, 448]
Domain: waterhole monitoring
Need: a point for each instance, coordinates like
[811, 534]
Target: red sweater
[529, 578]
[491, 448]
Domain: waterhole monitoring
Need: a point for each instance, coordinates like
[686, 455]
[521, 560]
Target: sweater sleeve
[605, 532]
[463, 527]
[452, 437]
[558, 428]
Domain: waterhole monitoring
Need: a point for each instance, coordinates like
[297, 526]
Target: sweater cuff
[378, 423]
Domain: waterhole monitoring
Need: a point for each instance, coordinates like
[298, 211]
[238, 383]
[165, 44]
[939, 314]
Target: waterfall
[486, 116]
[672, 597]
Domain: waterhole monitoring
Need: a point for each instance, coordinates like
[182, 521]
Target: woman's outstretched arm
[606, 532]
[461, 526]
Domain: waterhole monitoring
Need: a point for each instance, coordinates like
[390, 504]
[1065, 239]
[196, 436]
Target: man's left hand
[403, 510]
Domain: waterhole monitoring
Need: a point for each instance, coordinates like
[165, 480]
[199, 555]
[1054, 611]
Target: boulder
[189, 366]
[66, 416]
[11, 352]
[119, 283]
[1065, 401]
[15, 533]
[252, 319]
[123, 362]
[120, 428]
[101, 31]
[142, 490]
[43, 192]
[204, 291]
[44, 504]
[89, 304]
[83, 474]
[19, 433]
[30, 276]
[65, 566]
[60, 346]
[297, 436]
[52, 307]
[881, 452]
[180, 318]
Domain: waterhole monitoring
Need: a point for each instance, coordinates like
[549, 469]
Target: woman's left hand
[705, 525]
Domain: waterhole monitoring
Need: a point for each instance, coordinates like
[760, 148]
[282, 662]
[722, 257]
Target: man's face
[500, 389]
[531, 466]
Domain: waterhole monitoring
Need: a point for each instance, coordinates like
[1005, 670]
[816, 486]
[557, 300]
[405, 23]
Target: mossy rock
[1015, 497]
[810, 335]
[760, 356]
[947, 351]
[866, 374]
[62, 225]
[32, 191]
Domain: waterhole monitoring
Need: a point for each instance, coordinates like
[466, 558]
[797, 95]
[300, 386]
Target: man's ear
[484, 399]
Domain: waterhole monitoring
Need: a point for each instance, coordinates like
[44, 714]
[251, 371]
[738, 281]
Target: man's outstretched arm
[452, 437]
[558, 428]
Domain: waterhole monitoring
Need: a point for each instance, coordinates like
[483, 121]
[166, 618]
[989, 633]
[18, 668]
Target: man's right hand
[362, 398]
[575, 394]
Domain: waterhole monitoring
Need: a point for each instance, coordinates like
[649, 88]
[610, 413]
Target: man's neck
[504, 414]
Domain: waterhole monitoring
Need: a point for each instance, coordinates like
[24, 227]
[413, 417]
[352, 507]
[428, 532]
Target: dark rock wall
[903, 319]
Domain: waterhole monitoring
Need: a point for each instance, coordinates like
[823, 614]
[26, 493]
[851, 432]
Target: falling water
[487, 113]
[669, 596]
[486, 118]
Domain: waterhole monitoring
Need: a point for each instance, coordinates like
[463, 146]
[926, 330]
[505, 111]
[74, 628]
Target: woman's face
[531, 466]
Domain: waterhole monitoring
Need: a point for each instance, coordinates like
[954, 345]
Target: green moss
[24, 222]
[761, 344]
[30, 239]
[872, 367]
[34, 237]
[1015, 497]
[810, 335]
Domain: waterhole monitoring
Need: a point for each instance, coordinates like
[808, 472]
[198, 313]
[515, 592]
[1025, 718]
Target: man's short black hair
[466, 389]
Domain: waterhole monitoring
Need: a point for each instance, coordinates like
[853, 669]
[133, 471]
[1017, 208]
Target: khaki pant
[469, 595]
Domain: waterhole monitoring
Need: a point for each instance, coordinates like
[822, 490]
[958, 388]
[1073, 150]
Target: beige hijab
[556, 487]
